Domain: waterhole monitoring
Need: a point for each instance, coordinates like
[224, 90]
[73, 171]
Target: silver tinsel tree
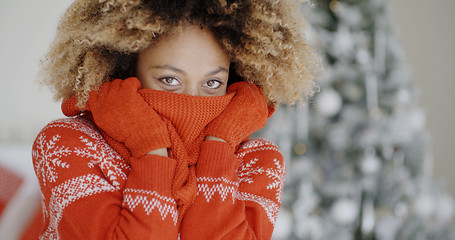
[359, 163]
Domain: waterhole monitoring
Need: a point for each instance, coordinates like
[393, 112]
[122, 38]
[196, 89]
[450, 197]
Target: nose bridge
[191, 88]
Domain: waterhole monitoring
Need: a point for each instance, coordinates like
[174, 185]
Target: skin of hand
[160, 152]
[212, 138]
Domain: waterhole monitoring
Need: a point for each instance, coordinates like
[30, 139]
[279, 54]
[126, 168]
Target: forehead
[192, 44]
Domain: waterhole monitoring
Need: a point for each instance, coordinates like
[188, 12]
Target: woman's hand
[160, 152]
[212, 138]
[122, 113]
[246, 113]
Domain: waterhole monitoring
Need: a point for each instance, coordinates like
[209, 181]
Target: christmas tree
[359, 163]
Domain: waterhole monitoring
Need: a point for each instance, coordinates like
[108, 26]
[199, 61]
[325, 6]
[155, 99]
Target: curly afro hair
[99, 40]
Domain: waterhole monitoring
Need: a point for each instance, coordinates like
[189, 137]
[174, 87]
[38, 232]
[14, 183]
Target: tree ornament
[424, 205]
[300, 148]
[328, 102]
[345, 211]
[370, 164]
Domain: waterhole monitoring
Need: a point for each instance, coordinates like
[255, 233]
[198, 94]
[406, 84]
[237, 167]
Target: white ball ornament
[370, 165]
[328, 102]
[344, 211]
[352, 92]
[404, 96]
[424, 206]
[416, 120]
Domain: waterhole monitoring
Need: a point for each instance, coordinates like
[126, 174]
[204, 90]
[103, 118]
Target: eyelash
[220, 83]
[163, 80]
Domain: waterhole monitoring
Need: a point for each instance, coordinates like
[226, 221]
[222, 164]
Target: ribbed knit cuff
[216, 159]
[152, 172]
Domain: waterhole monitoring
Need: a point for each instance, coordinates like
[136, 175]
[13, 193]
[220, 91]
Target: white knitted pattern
[150, 201]
[102, 155]
[79, 124]
[254, 145]
[276, 175]
[68, 192]
[255, 168]
[221, 186]
[48, 156]
[247, 171]
[269, 206]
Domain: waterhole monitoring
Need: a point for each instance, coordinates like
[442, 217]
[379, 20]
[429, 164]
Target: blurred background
[390, 74]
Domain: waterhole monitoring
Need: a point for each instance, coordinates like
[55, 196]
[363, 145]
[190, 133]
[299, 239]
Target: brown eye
[171, 81]
[213, 84]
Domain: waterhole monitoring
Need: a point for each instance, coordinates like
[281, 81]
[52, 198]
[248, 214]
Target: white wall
[26, 29]
[427, 33]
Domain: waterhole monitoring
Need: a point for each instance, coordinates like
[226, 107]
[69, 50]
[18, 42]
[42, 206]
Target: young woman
[162, 97]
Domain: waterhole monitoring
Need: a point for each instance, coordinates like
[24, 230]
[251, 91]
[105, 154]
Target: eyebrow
[175, 69]
[220, 69]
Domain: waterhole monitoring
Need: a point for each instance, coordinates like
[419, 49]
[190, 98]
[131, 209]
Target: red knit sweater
[90, 191]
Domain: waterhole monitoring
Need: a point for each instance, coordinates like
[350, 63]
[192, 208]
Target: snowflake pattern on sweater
[69, 192]
[49, 158]
[79, 173]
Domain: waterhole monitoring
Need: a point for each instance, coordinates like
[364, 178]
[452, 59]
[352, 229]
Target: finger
[104, 90]
[115, 86]
[236, 86]
[132, 83]
[94, 95]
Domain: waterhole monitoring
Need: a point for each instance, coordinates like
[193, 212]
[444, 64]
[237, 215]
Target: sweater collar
[188, 114]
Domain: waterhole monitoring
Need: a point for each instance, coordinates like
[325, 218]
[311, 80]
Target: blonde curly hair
[99, 40]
